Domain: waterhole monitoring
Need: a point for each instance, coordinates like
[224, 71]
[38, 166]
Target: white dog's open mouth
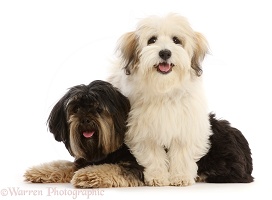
[164, 67]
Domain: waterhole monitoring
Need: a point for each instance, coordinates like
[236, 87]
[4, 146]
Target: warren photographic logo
[52, 191]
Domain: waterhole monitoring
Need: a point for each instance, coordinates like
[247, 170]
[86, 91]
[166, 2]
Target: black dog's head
[90, 120]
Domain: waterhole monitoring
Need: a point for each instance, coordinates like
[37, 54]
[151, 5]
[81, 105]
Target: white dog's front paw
[181, 180]
[156, 179]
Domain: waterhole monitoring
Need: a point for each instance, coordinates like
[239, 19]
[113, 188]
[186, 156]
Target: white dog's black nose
[165, 54]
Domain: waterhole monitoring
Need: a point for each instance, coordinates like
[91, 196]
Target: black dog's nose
[85, 121]
[165, 54]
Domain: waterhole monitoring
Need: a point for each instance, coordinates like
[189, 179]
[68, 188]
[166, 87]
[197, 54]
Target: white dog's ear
[128, 51]
[199, 53]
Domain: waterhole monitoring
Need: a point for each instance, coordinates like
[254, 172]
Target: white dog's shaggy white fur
[168, 125]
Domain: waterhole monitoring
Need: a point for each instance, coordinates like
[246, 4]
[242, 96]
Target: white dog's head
[165, 49]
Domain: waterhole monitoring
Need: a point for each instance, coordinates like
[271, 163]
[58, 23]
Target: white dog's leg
[182, 166]
[154, 158]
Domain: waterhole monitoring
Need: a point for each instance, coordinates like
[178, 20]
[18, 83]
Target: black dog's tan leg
[53, 172]
[105, 176]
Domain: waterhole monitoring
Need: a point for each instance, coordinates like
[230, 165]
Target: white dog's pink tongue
[164, 67]
[88, 134]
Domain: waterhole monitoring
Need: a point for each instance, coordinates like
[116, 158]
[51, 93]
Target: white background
[48, 46]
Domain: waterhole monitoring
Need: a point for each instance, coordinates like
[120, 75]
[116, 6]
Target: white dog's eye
[152, 40]
[176, 40]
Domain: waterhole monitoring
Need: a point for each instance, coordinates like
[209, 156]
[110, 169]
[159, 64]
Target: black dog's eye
[99, 110]
[75, 109]
[152, 40]
[176, 40]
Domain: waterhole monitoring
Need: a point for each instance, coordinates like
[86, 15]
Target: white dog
[168, 125]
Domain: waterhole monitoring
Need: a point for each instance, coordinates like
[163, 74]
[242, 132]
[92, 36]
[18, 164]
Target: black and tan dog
[91, 121]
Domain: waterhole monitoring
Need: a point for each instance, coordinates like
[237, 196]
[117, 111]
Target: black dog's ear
[57, 121]
[125, 104]
[122, 106]
[117, 103]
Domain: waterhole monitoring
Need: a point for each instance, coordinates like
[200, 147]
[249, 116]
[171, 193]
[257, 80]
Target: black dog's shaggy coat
[122, 157]
[99, 99]
[229, 158]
